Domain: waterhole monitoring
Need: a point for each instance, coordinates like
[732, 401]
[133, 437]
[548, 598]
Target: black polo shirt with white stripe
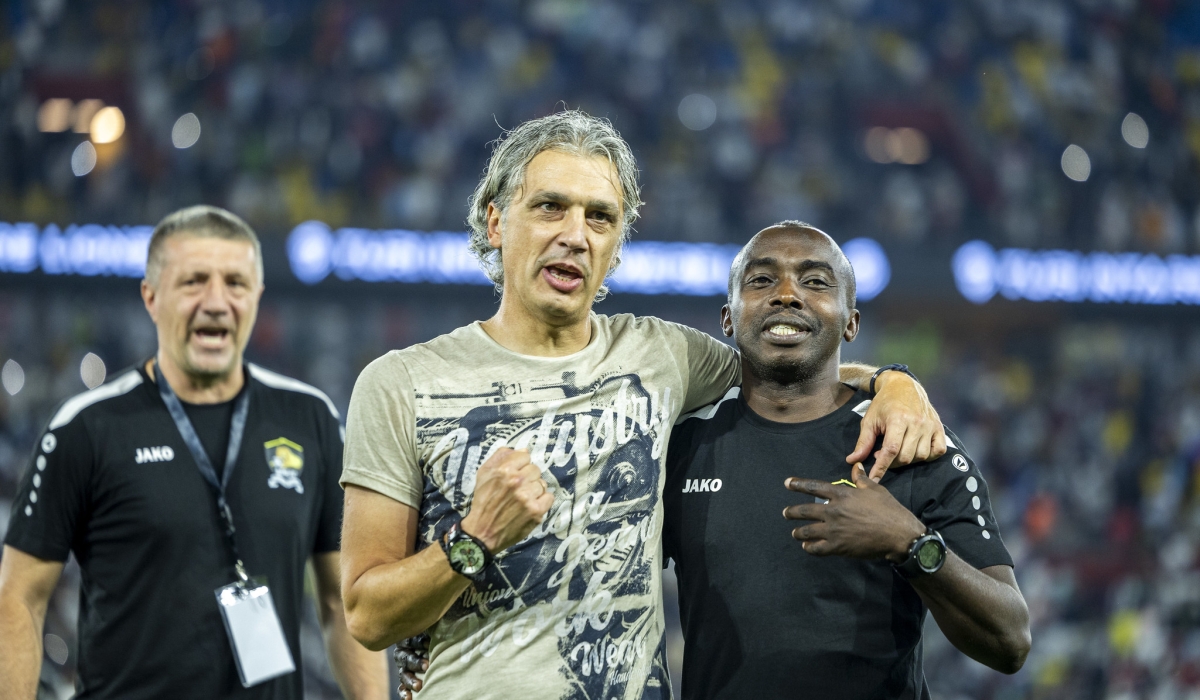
[112, 481]
[761, 617]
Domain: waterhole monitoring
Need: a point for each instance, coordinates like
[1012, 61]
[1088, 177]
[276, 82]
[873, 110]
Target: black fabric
[211, 423]
[761, 617]
[142, 524]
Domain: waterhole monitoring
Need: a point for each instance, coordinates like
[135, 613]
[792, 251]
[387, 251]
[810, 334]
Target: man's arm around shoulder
[26, 583]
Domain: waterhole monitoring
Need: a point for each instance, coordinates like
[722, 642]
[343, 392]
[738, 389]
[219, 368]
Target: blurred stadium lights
[980, 272]
[315, 251]
[186, 131]
[647, 267]
[92, 370]
[1076, 164]
[1134, 130]
[904, 145]
[107, 125]
[697, 112]
[54, 115]
[12, 376]
[83, 159]
[90, 249]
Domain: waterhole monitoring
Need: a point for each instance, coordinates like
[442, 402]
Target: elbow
[1013, 651]
[365, 631]
[362, 625]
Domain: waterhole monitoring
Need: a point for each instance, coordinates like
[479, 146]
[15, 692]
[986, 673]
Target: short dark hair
[847, 270]
[199, 220]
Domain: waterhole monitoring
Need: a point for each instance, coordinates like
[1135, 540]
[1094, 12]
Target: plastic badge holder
[255, 634]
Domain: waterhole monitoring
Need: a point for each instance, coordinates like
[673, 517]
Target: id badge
[259, 647]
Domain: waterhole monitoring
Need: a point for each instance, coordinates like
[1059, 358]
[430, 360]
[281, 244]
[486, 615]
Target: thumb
[867, 434]
[858, 474]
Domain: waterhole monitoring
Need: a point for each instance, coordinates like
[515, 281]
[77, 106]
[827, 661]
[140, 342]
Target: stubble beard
[789, 371]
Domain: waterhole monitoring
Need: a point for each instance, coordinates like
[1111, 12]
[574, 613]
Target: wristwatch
[468, 556]
[925, 556]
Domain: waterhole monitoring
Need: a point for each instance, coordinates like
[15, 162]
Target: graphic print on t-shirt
[599, 449]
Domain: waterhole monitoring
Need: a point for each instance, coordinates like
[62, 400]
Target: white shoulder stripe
[861, 409]
[707, 412]
[121, 385]
[278, 381]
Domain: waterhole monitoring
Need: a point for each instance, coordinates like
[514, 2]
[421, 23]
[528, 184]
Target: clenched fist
[510, 500]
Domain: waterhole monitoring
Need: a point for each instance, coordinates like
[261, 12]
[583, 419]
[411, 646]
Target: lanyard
[237, 428]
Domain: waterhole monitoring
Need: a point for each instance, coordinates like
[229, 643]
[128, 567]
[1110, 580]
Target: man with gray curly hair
[503, 481]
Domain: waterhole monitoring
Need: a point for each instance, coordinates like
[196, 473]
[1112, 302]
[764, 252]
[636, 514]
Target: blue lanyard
[237, 429]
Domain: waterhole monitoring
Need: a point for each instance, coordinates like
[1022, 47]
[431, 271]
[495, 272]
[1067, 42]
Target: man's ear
[493, 225]
[852, 326]
[149, 297]
[727, 321]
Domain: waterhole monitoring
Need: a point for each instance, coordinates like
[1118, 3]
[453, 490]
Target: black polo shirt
[113, 482]
[761, 617]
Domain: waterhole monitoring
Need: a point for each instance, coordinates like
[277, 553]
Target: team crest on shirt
[286, 460]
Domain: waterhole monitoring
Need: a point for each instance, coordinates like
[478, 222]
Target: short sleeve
[52, 498]
[381, 452]
[951, 496]
[712, 366]
[329, 526]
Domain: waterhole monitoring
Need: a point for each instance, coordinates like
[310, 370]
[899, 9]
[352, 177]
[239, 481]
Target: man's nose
[574, 233]
[216, 297]
[787, 296]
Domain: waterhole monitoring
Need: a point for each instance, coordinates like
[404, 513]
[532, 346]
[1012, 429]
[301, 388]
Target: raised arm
[901, 413]
[26, 584]
[389, 591]
[981, 611]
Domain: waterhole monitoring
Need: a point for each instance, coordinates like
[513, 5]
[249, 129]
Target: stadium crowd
[956, 117]
[1090, 439]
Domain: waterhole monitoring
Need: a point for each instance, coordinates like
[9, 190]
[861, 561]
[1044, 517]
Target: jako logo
[154, 454]
[697, 485]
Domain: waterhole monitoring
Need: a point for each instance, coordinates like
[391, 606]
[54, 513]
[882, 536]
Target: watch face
[467, 556]
[929, 554]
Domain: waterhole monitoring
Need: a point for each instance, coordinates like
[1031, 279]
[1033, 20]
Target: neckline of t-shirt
[477, 326]
[771, 426]
[152, 386]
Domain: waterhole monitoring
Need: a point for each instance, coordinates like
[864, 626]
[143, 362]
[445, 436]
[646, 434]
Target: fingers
[409, 661]
[867, 435]
[858, 475]
[409, 682]
[814, 531]
[893, 442]
[938, 446]
[806, 511]
[810, 486]
[818, 548]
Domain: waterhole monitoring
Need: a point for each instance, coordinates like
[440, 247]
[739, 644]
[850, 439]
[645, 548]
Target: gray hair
[571, 132]
[200, 220]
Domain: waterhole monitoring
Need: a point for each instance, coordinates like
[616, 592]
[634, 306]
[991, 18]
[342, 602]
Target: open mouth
[213, 338]
[786, 330]
[563, 277]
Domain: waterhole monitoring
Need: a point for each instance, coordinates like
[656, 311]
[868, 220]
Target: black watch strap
[890, 368]
[919, 563]
[456, 534]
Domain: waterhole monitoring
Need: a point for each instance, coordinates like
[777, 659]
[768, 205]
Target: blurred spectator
[959, 113]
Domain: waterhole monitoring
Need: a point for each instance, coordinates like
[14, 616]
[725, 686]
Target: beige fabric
[572, 611]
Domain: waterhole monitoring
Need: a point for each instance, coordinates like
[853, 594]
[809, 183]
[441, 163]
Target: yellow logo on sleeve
[286, 460]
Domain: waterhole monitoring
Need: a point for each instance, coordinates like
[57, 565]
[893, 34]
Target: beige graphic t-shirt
[573, 610]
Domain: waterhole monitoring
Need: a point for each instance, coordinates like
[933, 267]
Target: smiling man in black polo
[842, 618]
